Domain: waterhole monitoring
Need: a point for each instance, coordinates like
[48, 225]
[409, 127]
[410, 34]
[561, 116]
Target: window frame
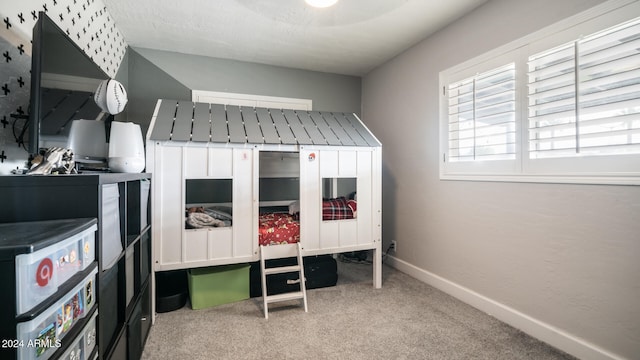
[611, 169]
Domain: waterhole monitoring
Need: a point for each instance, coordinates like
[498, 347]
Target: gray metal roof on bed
[202, 122]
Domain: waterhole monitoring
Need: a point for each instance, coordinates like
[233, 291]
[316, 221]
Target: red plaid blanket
[336, 209]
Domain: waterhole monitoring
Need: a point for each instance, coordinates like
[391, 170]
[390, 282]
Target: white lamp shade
[126, 148]
[88, 141]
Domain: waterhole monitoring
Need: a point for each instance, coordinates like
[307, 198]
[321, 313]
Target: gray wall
[329, 92]
[563, 255]
[122, 75]
[147, 84]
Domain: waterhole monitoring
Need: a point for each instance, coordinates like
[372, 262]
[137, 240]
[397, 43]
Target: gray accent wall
[559, 261]
[147, 84]
[122, 75]
[329, 92]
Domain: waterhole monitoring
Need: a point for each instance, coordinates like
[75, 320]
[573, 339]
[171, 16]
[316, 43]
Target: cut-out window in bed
[339, 198]
[208, 203]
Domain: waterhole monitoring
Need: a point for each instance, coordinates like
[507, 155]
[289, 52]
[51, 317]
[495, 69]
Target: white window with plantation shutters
[584, 97]
[560, 105]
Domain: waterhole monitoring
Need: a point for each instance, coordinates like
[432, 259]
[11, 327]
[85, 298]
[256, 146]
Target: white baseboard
[536, 328]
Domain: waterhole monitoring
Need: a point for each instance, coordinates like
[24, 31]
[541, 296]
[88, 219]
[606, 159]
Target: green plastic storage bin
[218, 285]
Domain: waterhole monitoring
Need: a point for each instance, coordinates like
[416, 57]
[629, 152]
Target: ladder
[278, 252]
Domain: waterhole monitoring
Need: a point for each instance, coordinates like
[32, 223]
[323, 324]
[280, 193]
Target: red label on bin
[44, 272]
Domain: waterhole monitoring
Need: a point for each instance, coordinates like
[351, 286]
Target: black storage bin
[110, 318]
[320, 271]
[172, 290]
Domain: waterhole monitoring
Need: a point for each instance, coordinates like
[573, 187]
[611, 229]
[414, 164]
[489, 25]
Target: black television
[63, 82]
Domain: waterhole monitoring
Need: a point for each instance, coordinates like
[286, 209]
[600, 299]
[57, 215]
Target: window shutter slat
[611, 67]
[563, 92]
[551, 128]
[541, 85]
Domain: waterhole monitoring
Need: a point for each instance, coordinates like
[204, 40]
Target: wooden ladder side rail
[278, 252]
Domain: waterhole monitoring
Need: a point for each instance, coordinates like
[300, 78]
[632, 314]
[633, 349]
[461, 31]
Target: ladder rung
[282, 269]
[284, 297]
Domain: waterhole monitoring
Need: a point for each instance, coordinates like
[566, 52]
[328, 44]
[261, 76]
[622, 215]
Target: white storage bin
[111, 242]
[42, 336]
[84, 344]
[40, 273]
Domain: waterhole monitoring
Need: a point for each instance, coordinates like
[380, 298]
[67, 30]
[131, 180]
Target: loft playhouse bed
[229, 178]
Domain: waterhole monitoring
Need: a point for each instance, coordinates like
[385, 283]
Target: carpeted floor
[406, 319]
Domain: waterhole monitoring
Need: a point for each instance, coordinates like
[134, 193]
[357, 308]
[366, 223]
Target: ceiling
[352, 37]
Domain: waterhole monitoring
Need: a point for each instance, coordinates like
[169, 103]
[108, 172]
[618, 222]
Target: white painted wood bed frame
[188, 140]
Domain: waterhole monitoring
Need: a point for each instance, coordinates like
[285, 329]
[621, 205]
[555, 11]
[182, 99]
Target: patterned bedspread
[278, 228]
